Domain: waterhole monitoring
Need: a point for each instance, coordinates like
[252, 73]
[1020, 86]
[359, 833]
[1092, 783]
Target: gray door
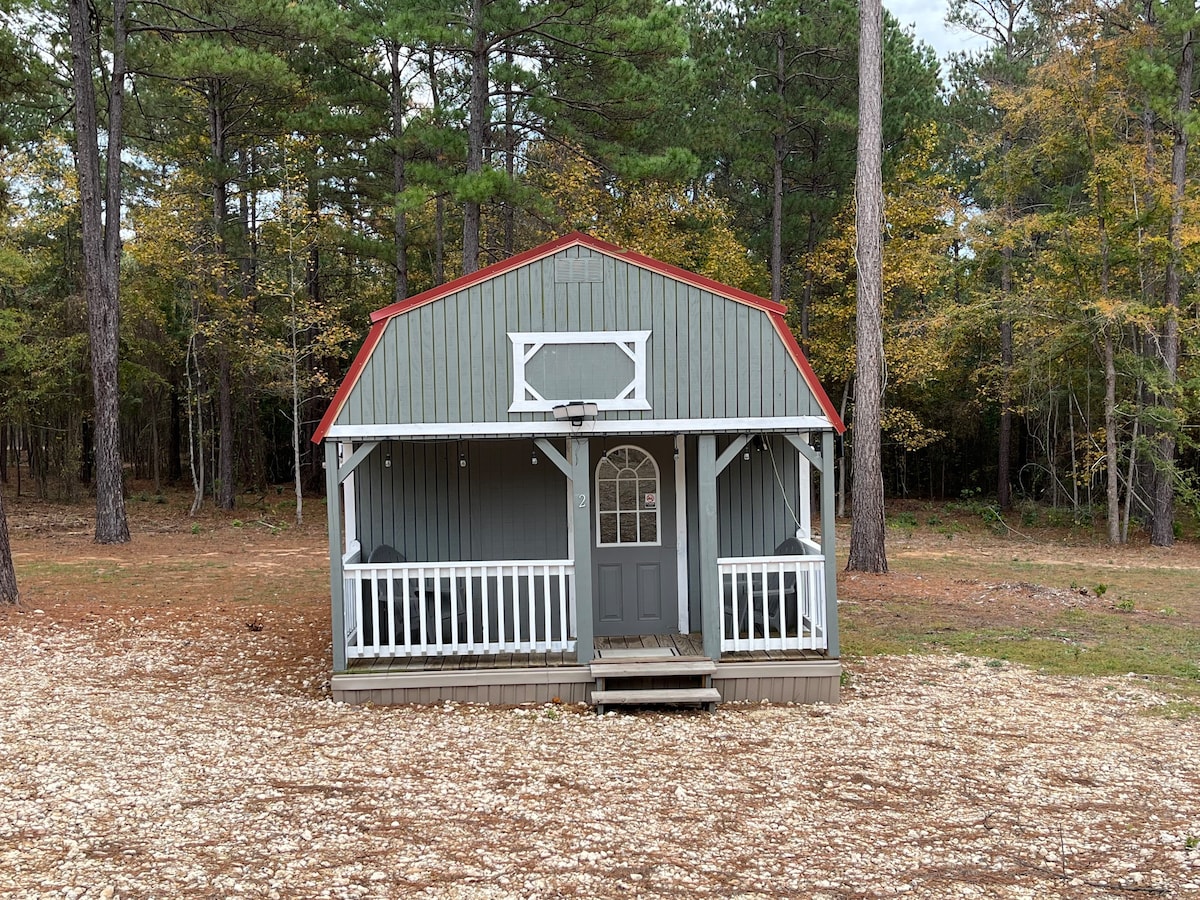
[633, 535]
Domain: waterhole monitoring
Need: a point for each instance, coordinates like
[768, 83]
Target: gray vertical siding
[752, 515]
[431, 509]
[451, 360]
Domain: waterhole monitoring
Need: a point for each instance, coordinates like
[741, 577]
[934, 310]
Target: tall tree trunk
[810, 249]
[1004, 451]
[175, 439]
[778, 155]
[439, 202]
[8, 573]
[476, 134]
[1113, 475]
[224, 473]
[101, 228]
[1162, 521]
[510, 162]
[867, 551]
[225, 490]
[399, 176]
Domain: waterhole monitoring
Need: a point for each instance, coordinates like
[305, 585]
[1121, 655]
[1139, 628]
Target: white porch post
[349, 502]
[805, 479]
[828, 528]
[681, 535]
[333, 495]
[581, 519]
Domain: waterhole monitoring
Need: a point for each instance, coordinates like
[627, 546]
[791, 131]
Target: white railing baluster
[462, 616]
[530, 613]
[358, 618]
[544, 643]
[437, 609]
[470, 605]
[391, 616]
[423, 635]
[736, 613]
[407, 610]
[454, 612]
[784, 635]
[788, 614]
[560, 638]
[487, 612]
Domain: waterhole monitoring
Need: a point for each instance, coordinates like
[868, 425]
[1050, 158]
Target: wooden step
[663, 695]
[652, 666]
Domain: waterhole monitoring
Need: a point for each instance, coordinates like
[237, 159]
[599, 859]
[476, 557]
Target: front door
[633, 532]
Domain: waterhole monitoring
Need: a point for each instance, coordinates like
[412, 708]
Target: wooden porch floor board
[683, 644]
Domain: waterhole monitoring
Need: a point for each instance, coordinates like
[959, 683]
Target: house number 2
[582, 501]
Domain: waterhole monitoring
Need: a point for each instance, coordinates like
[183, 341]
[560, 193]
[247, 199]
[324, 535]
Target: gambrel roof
[663, 349]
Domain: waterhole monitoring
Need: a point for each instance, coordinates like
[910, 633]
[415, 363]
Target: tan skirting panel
[779, 682]
[568, 684]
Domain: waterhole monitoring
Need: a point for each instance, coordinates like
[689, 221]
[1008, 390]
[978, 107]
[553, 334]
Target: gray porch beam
[707, 469]
[732, 451]
[828, 528]
[363, 451]
[581, 512]
[806, 449]
[554, 456]
[333, 494]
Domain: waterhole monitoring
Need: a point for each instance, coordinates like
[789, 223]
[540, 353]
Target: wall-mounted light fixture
[575, 412]
[387, 460]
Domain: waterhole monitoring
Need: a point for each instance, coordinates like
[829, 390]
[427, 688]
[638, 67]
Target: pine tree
[100, 203]
[867, 542]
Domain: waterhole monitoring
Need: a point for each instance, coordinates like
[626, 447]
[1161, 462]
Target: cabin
[584, 475]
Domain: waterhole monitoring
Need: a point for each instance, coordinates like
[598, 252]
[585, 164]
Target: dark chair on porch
[385, 553]
[760, 599]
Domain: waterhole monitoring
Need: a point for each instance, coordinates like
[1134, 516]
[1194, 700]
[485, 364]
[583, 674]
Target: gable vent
[574, 271]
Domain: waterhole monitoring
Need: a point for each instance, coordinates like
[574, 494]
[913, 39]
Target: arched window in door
[627, 498]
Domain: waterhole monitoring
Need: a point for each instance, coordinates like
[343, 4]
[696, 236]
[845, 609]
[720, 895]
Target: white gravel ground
[133, 765]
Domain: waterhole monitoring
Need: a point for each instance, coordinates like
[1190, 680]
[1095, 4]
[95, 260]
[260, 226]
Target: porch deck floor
[683, 644]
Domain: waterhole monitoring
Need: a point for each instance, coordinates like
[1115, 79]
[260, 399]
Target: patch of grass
[1175, 709]
[1063, 642]
[904, 521]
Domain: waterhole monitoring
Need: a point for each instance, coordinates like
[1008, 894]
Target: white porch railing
[452, 608]
[773, 603]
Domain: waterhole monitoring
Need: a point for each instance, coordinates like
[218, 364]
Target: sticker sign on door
[650, 501]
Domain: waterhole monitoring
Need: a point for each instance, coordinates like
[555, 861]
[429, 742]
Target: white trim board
[527, 344]
[681, 555]
[595, 428]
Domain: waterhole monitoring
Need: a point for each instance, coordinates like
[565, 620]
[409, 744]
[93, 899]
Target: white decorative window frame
[526, 344]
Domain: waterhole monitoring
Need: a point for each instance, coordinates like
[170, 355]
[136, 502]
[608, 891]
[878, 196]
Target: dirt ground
[166, 731]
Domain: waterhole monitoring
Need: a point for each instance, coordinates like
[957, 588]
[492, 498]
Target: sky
[926, 19]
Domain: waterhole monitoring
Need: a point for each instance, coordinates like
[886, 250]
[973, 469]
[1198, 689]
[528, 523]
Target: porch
[516, 613]
[681, 645]
[798, 676]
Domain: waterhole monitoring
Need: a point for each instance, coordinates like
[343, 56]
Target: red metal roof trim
[806, 371]
[347, 385]
[379, 318]
[465, 281]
